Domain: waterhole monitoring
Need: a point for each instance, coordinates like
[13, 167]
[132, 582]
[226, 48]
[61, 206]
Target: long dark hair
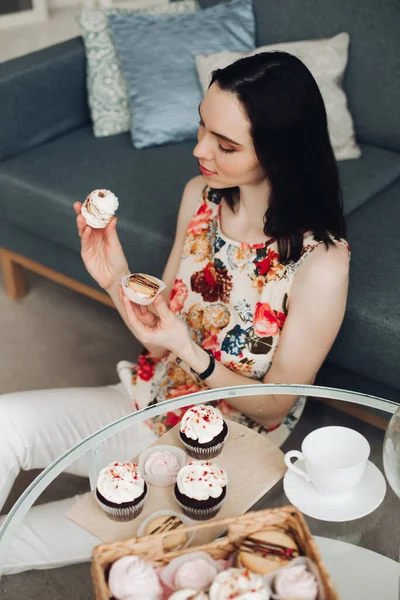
[289, 128]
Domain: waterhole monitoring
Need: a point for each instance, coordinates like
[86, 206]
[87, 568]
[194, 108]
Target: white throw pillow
[327, 61]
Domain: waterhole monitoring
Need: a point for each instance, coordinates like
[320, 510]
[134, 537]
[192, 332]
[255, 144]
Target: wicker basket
[151, 547]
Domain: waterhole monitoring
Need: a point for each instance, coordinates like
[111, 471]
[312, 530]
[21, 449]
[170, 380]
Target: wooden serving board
[253, 464]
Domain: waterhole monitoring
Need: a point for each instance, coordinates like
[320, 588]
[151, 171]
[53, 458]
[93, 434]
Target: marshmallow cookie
[99, 208]
[132, 578]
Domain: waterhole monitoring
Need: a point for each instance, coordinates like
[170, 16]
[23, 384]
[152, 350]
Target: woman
[256, 283]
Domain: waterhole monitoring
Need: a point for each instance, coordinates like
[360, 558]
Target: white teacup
[335, 459]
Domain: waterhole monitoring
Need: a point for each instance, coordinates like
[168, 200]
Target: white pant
[35, 429]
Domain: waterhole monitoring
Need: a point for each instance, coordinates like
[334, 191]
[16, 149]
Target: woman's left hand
[160, 328]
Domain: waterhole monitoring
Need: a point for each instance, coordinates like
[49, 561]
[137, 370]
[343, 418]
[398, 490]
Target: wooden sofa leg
[13, 275]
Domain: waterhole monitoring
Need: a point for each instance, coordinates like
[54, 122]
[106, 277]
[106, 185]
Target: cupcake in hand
[121, 491]
[141, 288]
[203, 432]
[99, 208]
[200, 489]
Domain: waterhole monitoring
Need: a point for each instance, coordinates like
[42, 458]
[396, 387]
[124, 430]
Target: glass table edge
[30, 495]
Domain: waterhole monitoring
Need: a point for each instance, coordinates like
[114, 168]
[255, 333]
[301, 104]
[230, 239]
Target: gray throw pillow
[157, 56]
[107, 96]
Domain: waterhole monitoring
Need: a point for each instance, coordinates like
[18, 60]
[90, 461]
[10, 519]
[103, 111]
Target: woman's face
[225, 149]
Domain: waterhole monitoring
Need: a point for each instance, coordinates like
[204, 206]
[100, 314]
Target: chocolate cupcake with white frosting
[203, 432]
[121, 491]
[200, 489]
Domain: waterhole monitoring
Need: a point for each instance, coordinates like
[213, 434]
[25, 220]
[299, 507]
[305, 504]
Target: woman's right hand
[101, 251]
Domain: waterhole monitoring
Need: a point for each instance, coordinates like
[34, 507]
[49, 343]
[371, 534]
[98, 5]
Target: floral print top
[233, 297]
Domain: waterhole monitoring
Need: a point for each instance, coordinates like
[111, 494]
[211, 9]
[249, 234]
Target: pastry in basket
[295, 581]
[238, 584]
[121, 491]
[203, 431]
[162, 523]
[266, 551]
[159, 465]
[132, 578]
[141, 288]
[195, 570]
[200, 489]
[99, 208]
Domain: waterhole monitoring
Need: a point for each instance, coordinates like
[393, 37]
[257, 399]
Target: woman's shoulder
[194, 187]
[310, 240]
[320, 262]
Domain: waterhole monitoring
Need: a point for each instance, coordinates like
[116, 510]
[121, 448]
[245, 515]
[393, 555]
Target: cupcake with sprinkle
[203, 432]
[121, 491]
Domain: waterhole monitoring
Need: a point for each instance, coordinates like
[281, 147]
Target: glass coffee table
[361, 554]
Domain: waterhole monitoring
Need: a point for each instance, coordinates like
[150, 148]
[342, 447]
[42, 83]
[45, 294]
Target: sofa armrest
[42, 96]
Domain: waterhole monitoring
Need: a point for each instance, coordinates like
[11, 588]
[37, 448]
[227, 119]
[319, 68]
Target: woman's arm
[190, 198]
[316, 310]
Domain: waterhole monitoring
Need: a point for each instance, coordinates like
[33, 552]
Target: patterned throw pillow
[157, 57]
[327, 61]
[107, 96]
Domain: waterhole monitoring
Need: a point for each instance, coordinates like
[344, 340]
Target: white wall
[57, 4]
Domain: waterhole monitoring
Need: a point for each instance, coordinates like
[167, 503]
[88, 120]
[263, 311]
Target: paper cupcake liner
[121, 514]
[161, 481]
[140, 298]
[160, 513]
[199, 453]
[200, 514]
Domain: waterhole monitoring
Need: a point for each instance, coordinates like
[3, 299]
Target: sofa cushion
[369, 341]
[42, 96]
[372, 83]
[363, 178]
[107, 96]
[148, 183]
[157, 56]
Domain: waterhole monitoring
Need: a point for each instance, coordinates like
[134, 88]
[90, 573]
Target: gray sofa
[49, 159]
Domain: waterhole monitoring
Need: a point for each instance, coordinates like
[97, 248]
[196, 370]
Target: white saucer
[360, 501]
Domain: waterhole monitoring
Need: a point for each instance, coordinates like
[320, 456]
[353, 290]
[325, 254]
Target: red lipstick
[206, 172]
